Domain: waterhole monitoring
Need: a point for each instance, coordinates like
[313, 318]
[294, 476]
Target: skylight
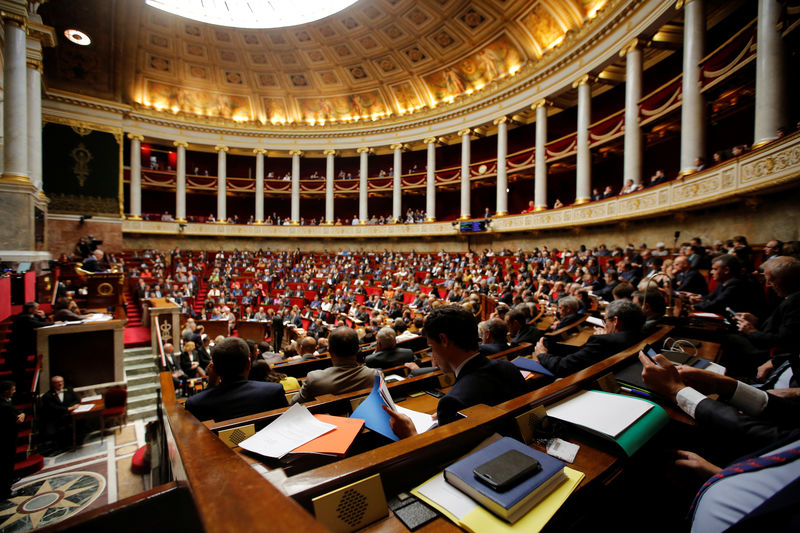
[252, 13]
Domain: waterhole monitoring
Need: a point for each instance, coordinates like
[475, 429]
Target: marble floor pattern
[95, 474]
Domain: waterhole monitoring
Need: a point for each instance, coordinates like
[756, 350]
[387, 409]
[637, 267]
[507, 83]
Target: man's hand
[708, 382]
[662, 378]
[696, 463]
[539, 349]
[401, 425]
[411, 366]
[791, 392]
[745, 326]
[765, 370]
[20, 418]
[748, 317]
[72, 407]
[695, 298]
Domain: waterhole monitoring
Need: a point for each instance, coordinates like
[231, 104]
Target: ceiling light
[78, 37]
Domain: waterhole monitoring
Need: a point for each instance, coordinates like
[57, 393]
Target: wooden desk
[167, 318]
[87, 355]
[95, 412]
[251, 330]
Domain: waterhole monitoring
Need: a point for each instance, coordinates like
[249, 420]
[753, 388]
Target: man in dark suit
[761, 488]
[493, 334]
[57, 405]
[23, 338]
[624, 321]
[93, 262]
[453, 337]
[568, 308]
[387, 354]
[733, 290]
[520, 330]
[688, 279]
[234, 395]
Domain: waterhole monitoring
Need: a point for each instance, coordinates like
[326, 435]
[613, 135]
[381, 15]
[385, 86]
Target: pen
[637, 392]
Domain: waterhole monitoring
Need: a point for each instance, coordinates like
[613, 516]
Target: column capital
[501, 120]
[221, 148]
[430, 140]
[397, 146]
[586, 79]
[329, 151]
[364, 150]
[34, 64]
[135, 137]
[179, 144]
[260, 151]
[542, 102]
[633, 44]
[44, 34]
[298, 153]
[465, 131]
[14, 18]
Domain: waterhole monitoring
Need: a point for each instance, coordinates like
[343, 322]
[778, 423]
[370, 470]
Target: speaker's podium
[105, 292]
[88, 355]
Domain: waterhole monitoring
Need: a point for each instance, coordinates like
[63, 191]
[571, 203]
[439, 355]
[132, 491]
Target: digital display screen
[473, 225]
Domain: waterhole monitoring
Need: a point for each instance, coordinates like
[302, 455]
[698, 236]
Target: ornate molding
[179, 144]
[221, 148]
[329, 151]
[365, 150]
[465, 131]
[298, 153]
[634, 44]
[135, 137]
[500, 120]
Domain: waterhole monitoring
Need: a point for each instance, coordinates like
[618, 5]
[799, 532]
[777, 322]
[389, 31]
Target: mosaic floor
[96, 474]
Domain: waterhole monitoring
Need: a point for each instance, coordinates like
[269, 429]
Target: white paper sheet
[422, 421]
[453, 500]
[82, 408]
[607, 413]
[293, 428]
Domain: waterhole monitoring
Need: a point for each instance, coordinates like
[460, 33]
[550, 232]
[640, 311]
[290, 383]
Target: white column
[771, 110]
[362, 186]
[259, 218]
[430, 184]
[329, 176]
[540, 156]
[632, 164]
[180, 184]
[465, 183]
[502, 176]
[222, 192]
[35, 121]
[136, 176]
[295, 220]
[693, 119]
[583, 183]
[15, 104]
[397, 193]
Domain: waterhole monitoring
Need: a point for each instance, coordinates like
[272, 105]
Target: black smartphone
[435, 393]
[650, 353]
[506, 470]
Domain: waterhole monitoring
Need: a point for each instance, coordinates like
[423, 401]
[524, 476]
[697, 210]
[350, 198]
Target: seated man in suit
[453, 338]
[234, 395]
[387, 354]
[519, 328]
[308, 345]
[688, 279]
[345, 375]
[93, 263]
[623, 329]
[733, 290]
[761, 488]
[493, 334]
[57, 405]
[568, 308]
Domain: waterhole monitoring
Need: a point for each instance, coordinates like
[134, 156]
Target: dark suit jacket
[566, 360]
[237, 398]
[54, 413]
[738, 294]
[691, 281]
[90, 264]
[23, 334]
[491, 349]
[527, 333]
[482, 380]
[202, 356]
[567, 320]
[388, 358]
[782, 328]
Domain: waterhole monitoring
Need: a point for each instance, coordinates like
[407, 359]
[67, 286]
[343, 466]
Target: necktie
[748, 465]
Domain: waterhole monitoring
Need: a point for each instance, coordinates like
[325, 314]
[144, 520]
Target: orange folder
[335, 442]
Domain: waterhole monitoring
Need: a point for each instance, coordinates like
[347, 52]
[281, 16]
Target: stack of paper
[292, 429]
[376, 419]
[335, 442]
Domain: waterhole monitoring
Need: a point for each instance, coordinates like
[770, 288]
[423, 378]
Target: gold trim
[539, 208]
[10, 177]
[294, 223]
[465, 131]
[298, 153]
[223, 222]
[42, 195]
[15, 19]
[501, 213]
[258, 223]
[44, 34]
[327, 223]
[396, 146]
[634, 44]
[180, 220]
[761, 143]
[364, 149]
[430, 219]
[500, 120]
[34, 64]
[134, 217]
[262, 151]
[221, 148]
[178, 144]
[687, 172]
[429, 140]
[586, 79]
[464, 217]
[329, 151]
[135, 137]
[581, 201]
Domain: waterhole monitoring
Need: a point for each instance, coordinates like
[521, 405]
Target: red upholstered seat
[140, 463]
[116, 401]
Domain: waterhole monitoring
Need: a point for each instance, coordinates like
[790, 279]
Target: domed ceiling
[375, 59]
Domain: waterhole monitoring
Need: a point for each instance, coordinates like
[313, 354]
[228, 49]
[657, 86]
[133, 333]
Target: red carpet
[136, 336]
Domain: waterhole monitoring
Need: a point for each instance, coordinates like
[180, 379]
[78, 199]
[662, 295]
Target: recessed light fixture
[78, 37]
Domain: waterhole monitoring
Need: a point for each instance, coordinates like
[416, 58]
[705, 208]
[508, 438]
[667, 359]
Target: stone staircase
[141, 375]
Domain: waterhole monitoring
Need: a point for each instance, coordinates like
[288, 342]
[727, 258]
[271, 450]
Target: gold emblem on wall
[82, 156]
[105, 289]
